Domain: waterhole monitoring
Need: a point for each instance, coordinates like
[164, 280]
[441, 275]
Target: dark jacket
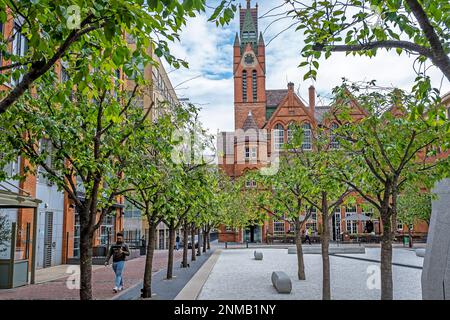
[114, 251]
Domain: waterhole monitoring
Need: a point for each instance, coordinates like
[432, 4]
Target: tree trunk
[209, 240]
[193, 257]
[298, 244]
[205, 239]
[325, 237]
[410, 237]
[326, 288]
[199, 251]
[85, 266]
[147, 289]
[386, 259]
[184, 264]
[170, 253]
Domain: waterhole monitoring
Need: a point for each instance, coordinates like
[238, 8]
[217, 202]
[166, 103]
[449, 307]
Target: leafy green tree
[190, 161]
[61, 30]
[323, 191]
[281, 197]
[387, 150]
[414, 205]
[414, 27]
[79, 141]
[154, 189]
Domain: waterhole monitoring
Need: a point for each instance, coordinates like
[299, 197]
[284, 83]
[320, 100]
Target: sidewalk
[54, 287]
[163, 289]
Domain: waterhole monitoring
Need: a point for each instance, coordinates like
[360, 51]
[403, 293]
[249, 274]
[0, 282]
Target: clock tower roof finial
[248, 4]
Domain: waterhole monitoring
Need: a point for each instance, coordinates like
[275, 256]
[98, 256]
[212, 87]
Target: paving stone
[235, 276]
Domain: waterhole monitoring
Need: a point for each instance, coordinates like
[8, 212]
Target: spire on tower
[236, 41]
[261, 39]
[248, 4]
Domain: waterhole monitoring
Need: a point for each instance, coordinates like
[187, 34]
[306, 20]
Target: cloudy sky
[209, 80]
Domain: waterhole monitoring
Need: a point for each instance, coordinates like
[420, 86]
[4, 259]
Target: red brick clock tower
[249, 69]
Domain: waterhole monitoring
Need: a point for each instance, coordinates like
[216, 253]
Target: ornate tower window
[244, 86]
[254, 86]
[307, 137]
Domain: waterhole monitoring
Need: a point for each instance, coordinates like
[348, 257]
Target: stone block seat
[281, 282]
[258, 255]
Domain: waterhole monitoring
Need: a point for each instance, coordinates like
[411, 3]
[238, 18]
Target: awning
[357, 217]
[11, 200]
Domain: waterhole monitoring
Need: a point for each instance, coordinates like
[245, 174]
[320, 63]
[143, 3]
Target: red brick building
[58, 228]
[262, 120]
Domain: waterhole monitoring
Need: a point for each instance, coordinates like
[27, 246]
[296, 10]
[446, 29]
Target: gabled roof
[274, 97]
[320, 111]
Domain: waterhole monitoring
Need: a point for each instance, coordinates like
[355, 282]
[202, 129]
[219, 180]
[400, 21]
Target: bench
[281, 282]
[258, 255]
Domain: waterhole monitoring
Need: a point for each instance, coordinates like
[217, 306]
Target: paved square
[237, 276]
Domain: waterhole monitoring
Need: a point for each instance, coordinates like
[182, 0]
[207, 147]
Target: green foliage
[92, 32]
[414, 205]
[364, 27]
[394, 145]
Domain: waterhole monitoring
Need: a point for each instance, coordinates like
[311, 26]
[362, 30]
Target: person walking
[308, 235]
[118, 251]
[177, 242]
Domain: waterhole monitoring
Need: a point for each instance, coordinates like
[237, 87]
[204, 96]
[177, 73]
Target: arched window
[334, 143]
[290, 131]
[278, 136]
[307, 137]
[244, 86]
[254, 86]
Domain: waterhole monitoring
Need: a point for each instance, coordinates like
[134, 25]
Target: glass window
[12, 168]
[307, 137]
[254, 86]
[45, 148]
[279, 136]
[337, 222]
[352, 226]
[107, 230]
[76, 235]
[312, 221]
[278, 227]
[334, 143]
[250, 183]
[19, 47]
[251, 153]
[244, 86]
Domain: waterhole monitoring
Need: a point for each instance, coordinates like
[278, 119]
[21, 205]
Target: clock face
[249, 59]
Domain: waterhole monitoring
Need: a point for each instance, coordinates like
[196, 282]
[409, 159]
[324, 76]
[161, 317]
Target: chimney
[290, 86]
[312, 100]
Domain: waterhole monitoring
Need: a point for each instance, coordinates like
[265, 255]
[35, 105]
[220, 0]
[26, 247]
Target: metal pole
[33, 254]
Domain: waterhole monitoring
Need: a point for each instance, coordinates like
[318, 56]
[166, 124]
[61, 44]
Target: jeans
[118, 269]
[177, 245]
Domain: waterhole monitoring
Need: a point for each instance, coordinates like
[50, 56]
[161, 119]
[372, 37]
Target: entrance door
[48, 237]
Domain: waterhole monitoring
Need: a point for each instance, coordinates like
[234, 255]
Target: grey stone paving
[168, 289]
[237, 276]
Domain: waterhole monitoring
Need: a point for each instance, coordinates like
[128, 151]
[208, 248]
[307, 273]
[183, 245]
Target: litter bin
[406, 241]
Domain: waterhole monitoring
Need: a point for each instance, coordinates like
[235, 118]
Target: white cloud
[208, 50]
